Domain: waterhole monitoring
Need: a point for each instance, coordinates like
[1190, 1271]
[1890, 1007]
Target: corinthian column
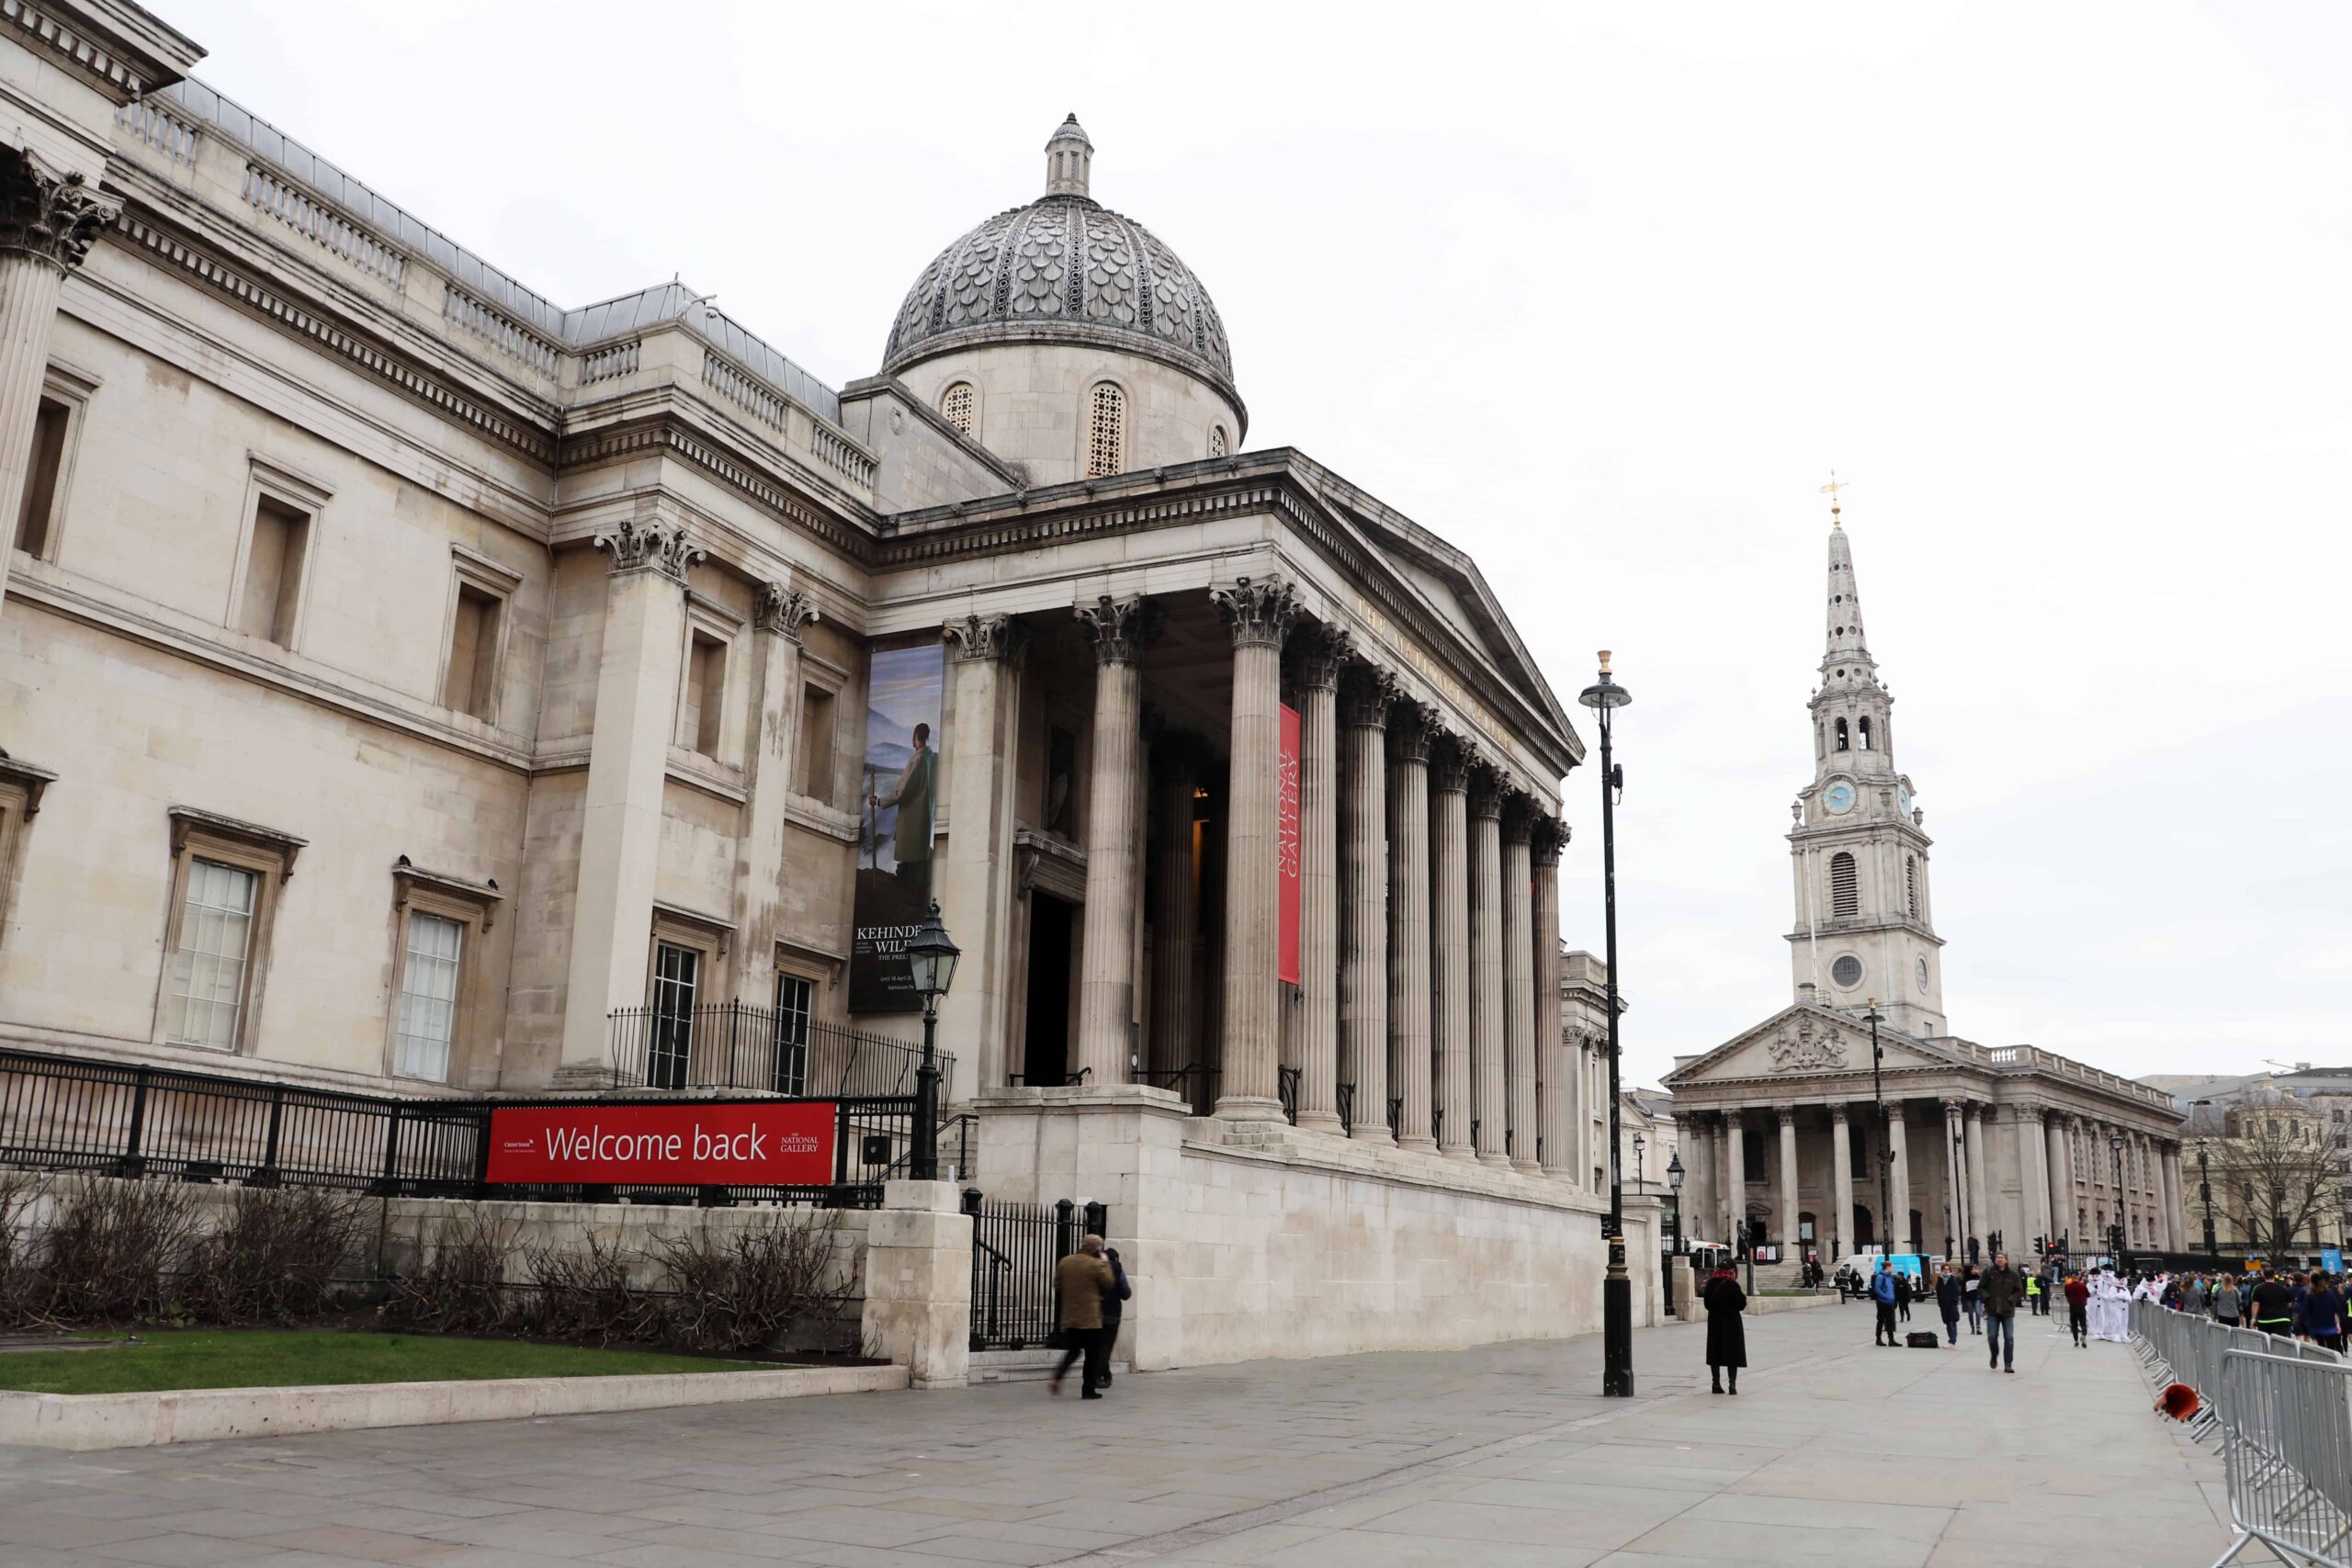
[976, 896]
[1487, 965]
[1120, 630]
[1454, 1110]
[1787, 1117]
[1364, 696]
[1980, 1218]
[48, 220]
[2063, 1200]
[1557, 1096]
[1176, 760]
[1841, 1159]
[759, 856]
[1898, 1223]
[1411, 727]
[1320, 658]
[1519, 988]
[1258, 616]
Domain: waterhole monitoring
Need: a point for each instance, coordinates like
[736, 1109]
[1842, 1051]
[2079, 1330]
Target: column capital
[1838, 1112]
[1258, 613]
[1365, 692]
[1412, 730]
[1485, 790]
[1121, 629]
[785, 611]
[1519, 816]
[980, 638]
[47, 214]
[650, 546]
[1786, 1115]
[1451, 760]
[1547, 839]
[1317, 655]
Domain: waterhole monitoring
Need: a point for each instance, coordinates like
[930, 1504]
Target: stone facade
[1795, 1132]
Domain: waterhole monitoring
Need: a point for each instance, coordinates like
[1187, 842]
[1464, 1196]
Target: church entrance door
[1045, 1049]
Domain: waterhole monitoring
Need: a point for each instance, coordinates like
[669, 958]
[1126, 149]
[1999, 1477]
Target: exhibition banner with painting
[897, 802]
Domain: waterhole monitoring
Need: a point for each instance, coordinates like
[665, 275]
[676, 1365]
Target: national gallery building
[410, 684]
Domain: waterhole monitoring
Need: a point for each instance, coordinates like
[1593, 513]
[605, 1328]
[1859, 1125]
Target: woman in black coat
[1726, 1334]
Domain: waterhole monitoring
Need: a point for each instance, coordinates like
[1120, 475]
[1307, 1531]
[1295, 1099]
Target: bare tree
[2274, 1173]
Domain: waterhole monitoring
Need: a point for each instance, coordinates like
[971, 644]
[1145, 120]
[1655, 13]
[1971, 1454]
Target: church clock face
[1902, 799]
[1839, 797]
[1923, 976]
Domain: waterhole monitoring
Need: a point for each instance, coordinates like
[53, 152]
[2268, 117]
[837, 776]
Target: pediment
[1801, 1043]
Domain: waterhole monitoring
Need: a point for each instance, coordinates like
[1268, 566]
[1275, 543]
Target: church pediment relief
[1804, 1045]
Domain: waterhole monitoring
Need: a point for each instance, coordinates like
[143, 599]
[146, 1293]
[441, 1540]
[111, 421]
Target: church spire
[1844, 646]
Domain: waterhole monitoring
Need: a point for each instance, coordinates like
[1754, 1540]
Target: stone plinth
[919, 1283]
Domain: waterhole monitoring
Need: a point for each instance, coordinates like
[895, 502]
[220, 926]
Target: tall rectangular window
[703, 704]
[471, 683]
[35, 512]
[677, 974]
[215, 943]
[273, 586]
[794, 999]
[429, 997]
[817, 743]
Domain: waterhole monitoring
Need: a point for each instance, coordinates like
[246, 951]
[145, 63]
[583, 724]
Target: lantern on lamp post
[931, 964]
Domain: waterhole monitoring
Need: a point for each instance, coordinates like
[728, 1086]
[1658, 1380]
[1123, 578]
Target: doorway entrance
[1046, 1046]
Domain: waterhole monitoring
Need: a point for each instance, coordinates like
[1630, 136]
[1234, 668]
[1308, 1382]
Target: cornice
[120, 49]
[666, 434]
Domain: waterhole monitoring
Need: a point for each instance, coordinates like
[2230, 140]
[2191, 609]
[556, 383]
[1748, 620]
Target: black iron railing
[72, 1113]
[1286, 1091]
[1347, 1106]
[1015, 1248]
[733, 1046]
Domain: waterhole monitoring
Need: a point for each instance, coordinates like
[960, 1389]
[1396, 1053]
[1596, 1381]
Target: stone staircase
[1032, 1365]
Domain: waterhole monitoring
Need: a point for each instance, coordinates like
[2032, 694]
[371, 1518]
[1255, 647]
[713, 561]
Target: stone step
[1021, 1366]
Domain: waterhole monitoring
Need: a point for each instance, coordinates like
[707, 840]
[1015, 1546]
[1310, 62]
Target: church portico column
[1787, 1116]
[1841, 1163]
[1898, 1223]
[1557, 1095]
[2033, 1190]
[1258, 616]
[1980, 1218]
[976, 896]
[1454, 1110]
[1120, 630]
[1519, 986]
[1956, 1223]
[2176, 1203]
[48, 220]
[1364, 696]
[759, 856]
[1320, 658]
[1411, 729]
[1486, 967]
[1735, 1187]
[1177, 759]
[620, 824]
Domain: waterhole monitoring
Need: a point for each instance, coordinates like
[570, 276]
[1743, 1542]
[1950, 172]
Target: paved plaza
[1834, 1451]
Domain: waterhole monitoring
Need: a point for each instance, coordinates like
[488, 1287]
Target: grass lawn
[284, 1359]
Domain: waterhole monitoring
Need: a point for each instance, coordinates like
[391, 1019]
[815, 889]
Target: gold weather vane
[1831, 489]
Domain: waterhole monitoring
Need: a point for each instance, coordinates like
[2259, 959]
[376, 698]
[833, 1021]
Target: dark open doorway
[1046, 1050]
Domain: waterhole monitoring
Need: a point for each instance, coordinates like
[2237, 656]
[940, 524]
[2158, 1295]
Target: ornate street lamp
[930, 962]
[2205, 1191]
[1885, 1133]
[1674, 1181]
[1641, 1181]
[1604, 697]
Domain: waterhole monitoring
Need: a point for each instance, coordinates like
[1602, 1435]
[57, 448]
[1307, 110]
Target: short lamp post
[1674, 1174]
[2122, 1226]
[930, 962]
[2205, 1192]
[1887, 1235]
[1604, 697]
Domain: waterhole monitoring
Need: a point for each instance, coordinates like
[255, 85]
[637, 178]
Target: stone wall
[1245, 1240]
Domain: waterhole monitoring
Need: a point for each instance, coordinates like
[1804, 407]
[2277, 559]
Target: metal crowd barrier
[2288, 1454]
[2178, 1346]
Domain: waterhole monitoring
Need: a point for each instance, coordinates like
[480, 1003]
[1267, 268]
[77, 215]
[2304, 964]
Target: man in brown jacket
[1999, 1292]
[1079, 1281]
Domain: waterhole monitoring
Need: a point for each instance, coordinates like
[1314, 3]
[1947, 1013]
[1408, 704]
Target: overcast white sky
[1602, 293]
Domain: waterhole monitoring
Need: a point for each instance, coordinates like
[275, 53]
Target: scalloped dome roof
[1063, 266]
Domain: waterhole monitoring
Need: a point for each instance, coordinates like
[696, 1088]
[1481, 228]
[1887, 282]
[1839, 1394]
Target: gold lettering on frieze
[1385, 631]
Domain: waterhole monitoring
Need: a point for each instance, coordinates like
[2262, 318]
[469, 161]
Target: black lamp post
[1674, 1182]
[1885, 1133]
[2122, 1226]
[1641, 1180]
[931, 961]
[1604, 697]
[2205, 1191]
[1959, 1194]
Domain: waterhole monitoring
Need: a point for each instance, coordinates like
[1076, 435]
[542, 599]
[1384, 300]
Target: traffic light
[2041, 1247]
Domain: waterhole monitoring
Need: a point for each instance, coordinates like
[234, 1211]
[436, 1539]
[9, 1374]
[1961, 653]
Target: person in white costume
[2110, 1308]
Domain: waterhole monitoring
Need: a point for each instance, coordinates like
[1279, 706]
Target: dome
[1063, 266]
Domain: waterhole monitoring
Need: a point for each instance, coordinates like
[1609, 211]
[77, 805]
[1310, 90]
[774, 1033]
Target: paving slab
[1501, 1456]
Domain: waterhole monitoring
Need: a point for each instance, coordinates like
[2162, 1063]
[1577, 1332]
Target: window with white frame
[795, 1001]
[677, 977]
[1106, 431]
[428, 1017]
[208, 969]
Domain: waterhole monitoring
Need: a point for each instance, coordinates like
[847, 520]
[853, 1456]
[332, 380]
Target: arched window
[955, 403]
[1216, 441]
[1866, 734]
[1106, 431]
[1911, 882]
[1842, 739]
[1845, 894]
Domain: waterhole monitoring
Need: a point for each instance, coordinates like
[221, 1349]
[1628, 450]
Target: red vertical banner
[1286, 848]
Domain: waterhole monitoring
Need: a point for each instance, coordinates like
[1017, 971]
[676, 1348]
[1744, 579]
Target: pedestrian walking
[1727, 1330]
[1999, 1290]
[1114, 1307]
[1947, 1302]
[1970, 1282]
[2229, 1303]
[1903, 1294]
[1081, 1280]
[2323, 1312]
[2078, 1307]
[1883, 1294]
[2273, 1306]
[2037, 1295]
[2192, 1296]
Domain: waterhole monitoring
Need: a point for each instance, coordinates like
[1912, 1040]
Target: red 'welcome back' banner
[773, 1145]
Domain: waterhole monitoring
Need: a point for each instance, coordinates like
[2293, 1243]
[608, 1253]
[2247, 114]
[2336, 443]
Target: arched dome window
[1216, 441]
[956, 406]
[1106, 431]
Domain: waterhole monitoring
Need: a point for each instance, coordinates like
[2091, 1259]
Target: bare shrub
[741, 1291]
[274, 1257]
[114, 1249]
[587, 1295]
[460, 1286]
[24, 1289]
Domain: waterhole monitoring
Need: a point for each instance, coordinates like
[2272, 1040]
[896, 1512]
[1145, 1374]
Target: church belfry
[1864, 924]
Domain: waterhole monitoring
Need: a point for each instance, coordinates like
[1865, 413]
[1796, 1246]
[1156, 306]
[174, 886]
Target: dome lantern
[1068, 159]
